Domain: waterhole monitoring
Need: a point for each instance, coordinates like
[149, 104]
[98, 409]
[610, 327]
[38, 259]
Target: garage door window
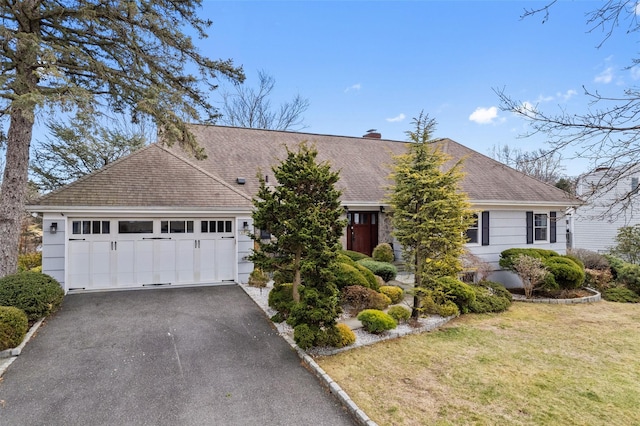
[176, 227]
[135, 227]
[90, 227]
[218, 226]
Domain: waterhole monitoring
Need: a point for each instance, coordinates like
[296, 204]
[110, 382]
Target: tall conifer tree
[430, 214]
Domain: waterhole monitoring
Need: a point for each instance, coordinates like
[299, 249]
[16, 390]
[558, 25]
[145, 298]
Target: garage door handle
[228, 237]
[156, 238]
[76, 239]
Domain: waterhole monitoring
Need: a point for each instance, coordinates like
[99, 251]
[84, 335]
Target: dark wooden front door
[362, 231]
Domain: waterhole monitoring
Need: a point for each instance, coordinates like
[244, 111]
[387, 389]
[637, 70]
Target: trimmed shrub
[343, 258]
[347, 275]
[29, 261]
[566, 272]
[598, 279]
[508, 256]
[257, 278]
[629, 275]
[38, 295]
[354, 255]
[385, 270]
[394, 293]
[621, 295]
[383, 253]
[399, 313]
[490, 298]
[369, 276]
[615, 264]
[13, 327]
[375, 321]
[458, 292]
[359, 298]
[281, 299]
[448, 309]
[345, 336]
[304, 336]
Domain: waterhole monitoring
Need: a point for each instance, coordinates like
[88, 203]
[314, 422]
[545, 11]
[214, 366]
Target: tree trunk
[297, 278]
[14, 186]
[415, 312]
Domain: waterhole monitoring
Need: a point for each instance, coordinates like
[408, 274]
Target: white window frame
[546, 227]
[478, 229]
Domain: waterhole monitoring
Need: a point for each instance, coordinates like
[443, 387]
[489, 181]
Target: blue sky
[377, 64]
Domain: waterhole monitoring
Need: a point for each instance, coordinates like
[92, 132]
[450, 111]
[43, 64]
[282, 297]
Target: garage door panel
[185, 261]
[101, 264]
[225, 259]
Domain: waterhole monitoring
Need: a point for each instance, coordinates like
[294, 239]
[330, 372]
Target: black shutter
[485, 228]
[529, 227]
[552, 223]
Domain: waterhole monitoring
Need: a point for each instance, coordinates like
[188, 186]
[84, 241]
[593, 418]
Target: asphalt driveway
[180, 356]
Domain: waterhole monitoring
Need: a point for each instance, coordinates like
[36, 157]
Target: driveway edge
[359, 415]
[9, 355]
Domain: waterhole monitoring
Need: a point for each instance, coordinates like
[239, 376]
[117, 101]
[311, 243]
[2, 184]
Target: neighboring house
[158, 217]
[609, 206]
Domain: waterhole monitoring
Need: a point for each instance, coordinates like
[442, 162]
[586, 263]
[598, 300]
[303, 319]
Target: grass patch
[534, 364]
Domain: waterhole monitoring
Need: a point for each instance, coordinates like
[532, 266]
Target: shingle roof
[158, 176]
[364, 164]
[150, 177]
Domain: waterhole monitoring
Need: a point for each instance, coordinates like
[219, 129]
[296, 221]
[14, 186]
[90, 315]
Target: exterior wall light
[53, 228]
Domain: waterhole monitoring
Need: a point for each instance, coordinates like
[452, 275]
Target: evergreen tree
[302, 212]
[429, 212]
[128, 56]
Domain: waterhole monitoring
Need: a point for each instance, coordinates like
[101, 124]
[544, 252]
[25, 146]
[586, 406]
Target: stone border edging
[9, 355]
[596, 297]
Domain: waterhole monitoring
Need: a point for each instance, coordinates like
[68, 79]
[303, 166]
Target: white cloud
[635, 72]
[528, 109]
[396, 119]
[484, 115]
[356, 86]
[544, 99]
[637, 8]
[605, 76]
[567, 95]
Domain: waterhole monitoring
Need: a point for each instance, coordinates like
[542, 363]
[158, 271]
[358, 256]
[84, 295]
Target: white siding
[53, 247]
[596, 224]
[245, 246]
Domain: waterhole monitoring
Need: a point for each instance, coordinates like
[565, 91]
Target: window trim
[546, 227]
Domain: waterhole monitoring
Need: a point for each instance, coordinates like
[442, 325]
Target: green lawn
[536, 364]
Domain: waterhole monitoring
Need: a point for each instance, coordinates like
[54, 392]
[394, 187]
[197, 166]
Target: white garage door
[125, 253]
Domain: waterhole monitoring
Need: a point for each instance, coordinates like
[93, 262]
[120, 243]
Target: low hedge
[621, 295]
[37, 294]
[490, 297]
[508, 256]
[13, 327]
[566, 272]
[399, 313]
[354, 255]
[385, 270]
[375, 321]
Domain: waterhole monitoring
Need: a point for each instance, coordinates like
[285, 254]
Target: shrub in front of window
[566, 272]
[37, 294]
[383, 253]
[385, 270]
[375, 321]
[532, 272]
[394, 293]
[508, 256]
[399, 313]
[13, 327]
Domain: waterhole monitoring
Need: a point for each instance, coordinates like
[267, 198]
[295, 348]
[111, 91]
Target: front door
[362, 231]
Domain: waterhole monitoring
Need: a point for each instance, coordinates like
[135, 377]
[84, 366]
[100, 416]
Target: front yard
[534, 364]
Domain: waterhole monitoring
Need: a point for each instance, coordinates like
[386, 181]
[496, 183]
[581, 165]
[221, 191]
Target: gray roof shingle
[159, 176]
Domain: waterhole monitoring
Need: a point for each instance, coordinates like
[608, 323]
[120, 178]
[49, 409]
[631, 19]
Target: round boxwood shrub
[383, 253]
[346, 275]
[385, 270]
[566, 272]
[344, 336]
[281, 299]
[359, 298]
[394, 293]
[354, 255]
[375, 321]
[13, 327]
[508, 256]
[621, 295]
[399, 313]
[37, 294]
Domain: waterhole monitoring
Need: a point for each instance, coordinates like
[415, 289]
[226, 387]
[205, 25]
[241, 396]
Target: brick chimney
[373, 134]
